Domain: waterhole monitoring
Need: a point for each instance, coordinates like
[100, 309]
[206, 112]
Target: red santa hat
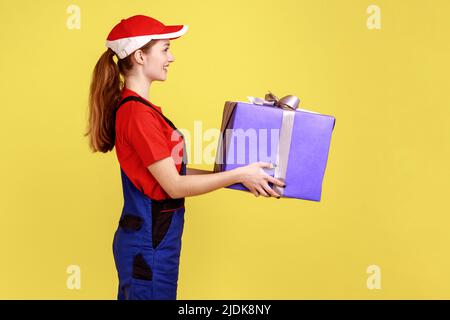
[136, 31]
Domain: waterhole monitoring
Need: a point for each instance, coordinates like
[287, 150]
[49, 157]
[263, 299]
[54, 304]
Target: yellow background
[386, 187]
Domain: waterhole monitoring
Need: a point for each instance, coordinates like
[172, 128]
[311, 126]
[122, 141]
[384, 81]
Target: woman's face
[157, 61]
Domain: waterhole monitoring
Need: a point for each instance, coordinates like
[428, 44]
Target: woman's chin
[162, 78]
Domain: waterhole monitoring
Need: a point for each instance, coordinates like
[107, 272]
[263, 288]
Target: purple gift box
[297, 141]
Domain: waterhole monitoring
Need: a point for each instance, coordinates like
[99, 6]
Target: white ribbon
[284, 142]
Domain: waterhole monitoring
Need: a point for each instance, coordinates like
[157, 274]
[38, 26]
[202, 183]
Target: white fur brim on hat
[125, 46]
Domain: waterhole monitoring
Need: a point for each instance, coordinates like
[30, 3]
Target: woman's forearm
[192, 185]
[252, 176]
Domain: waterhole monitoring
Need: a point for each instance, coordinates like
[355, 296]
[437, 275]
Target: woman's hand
[257, 181]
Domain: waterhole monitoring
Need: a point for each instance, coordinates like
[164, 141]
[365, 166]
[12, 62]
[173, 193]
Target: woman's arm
[180, 186]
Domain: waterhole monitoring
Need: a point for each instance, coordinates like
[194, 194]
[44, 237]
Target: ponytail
[104, 95]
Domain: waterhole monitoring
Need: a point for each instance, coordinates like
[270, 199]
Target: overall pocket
[131, 222]
[162, 216]
[141, 286]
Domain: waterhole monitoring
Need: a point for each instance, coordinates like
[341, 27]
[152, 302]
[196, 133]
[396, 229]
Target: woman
[155, 179]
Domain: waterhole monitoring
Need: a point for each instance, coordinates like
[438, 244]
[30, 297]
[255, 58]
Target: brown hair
[105, 92]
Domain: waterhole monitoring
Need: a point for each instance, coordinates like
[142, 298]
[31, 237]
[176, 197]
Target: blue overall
[147, 242]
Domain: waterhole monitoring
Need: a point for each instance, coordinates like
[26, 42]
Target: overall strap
[139, 99]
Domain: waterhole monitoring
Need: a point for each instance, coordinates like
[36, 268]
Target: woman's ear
[138, 56]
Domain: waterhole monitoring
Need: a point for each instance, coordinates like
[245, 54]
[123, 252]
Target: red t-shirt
[142, 138]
